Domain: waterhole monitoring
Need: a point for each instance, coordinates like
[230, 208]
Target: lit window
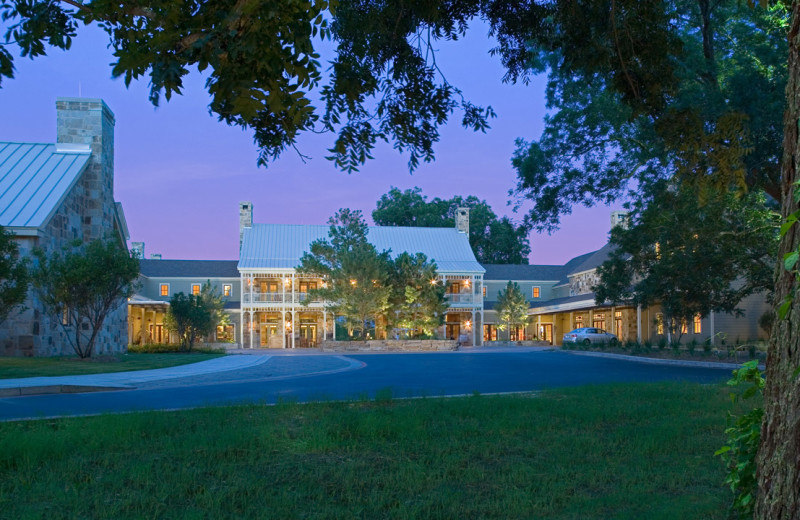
[195, 289]
[484, 292]
[164, 289]
[697, 324]
[659, 323]
[535, 292]
[226, 289]
[684, 326]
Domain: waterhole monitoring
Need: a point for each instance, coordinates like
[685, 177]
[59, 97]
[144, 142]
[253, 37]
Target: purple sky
[180, 174]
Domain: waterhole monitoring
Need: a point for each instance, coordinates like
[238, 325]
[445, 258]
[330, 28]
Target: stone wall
[86, 213]
[391, 345]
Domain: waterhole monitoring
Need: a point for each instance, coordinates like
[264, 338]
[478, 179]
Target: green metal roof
[280, 246]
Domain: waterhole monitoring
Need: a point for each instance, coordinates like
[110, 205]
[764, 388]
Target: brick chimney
[462, 220]
[90, 122]
[245, 219]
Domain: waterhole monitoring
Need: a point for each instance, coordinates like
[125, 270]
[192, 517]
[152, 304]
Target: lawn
[12, 368]
[612, 451]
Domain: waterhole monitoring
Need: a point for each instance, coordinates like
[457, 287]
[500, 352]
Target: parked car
[588, 335]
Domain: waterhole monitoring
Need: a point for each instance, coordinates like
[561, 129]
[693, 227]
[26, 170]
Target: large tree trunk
[779, 453]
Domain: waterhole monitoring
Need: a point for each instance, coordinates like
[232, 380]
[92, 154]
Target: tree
[493, 241]
[80, 285]
[355, 274]
[417, 299]
[708, 126]
[214, 301]
[14, 277]
[262, 65]
[511, 307]
[190, 317]
[689, 255]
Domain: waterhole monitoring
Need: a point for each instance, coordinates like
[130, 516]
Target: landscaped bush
[165, 348]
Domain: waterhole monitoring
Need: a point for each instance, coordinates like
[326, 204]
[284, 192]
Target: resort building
[50, 195]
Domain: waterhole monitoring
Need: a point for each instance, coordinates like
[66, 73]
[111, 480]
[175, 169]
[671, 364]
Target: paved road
[307, 378]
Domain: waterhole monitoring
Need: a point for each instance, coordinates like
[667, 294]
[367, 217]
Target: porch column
[294, 313]
[283, 327]
[241, 327]
[482, 322]
[324, 325]
[539, 327]
[251, 326]
[333, 319]
[473, 327]
[141, 329]
[613, 330]
[639, 323]
[711, 317]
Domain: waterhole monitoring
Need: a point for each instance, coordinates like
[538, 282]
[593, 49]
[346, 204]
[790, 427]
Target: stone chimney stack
[90, 122]
[245, 219]
[155, 256]
[137, 250]
[619, 218]
[462, 220]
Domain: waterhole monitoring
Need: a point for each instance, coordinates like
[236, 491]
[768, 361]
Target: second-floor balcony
[461, 298]
[276, 297]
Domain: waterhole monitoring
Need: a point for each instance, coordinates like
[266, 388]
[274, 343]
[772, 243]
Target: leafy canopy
[190, 317]
[493, 240]
[691, 254]
[511, 307]
[417, 303]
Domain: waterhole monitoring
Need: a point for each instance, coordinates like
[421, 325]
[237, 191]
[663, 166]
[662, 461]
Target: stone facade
[582, 283]
[87, 212]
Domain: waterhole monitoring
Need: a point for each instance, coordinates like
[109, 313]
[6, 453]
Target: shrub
[692, 346]
[676, 348]
[164, 348]
[630, 345]
[744, 434]
[662, 343]
[707, 347]
[648, 345]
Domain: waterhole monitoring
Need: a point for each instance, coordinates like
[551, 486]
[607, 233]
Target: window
[490, 333]
[164, 289]
[535, 292]
[684, 326]
[618, 324]
[698, 328]
[484, 291]
[227, 289]
[659, 323]
[578, 322]
[599, 320]
[195, 289]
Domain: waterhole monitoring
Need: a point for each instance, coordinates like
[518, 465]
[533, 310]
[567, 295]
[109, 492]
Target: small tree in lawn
[213, 299]
[418, 300]
[189, 317]
[14, 277]
[512, 308]
[356, 275]
[80, 285]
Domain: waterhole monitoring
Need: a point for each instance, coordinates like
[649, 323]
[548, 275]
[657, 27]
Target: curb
[660, 361]
[21, 391]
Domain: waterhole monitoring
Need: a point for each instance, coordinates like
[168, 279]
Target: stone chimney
[245, 219]
[462, 220]
[155, 256]
[619, 218]
[90, 122]
[137, 250]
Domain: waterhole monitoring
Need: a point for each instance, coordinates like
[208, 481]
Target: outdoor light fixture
[353, 283]
[288, 325]
[433, 282]
[466, 282]
[468, 325]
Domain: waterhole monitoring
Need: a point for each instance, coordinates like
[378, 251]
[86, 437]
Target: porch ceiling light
[468, 325]
[288, 325]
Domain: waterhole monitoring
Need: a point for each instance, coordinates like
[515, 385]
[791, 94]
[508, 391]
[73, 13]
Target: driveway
[333, 377]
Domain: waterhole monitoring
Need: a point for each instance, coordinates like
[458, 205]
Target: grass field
[619, 451]
[12, 368]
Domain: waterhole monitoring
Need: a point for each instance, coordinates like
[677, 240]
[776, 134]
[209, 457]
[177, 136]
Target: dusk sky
[180, 174]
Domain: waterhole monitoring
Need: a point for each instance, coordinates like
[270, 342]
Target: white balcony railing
[259, 297]
[459, 298]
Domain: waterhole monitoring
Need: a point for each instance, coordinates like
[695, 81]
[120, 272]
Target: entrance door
[308, 336]
[268, 331]
[546, 331]
[452, 330]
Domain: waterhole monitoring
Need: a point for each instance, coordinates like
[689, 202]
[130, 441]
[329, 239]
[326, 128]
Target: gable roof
[280, 246]
[201, 269]
[35, 178]
[591, 260]
[523, 272]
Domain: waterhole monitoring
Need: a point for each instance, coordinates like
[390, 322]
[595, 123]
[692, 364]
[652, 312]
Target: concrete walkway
[123, 380]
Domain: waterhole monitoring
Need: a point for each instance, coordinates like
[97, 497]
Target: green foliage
[642, 91]
[493, 240]
[511, 307]
[743, 435]
[417, 303]
[691, 253]
[168, 348]
[356, 276]
[80, 285]
[14, 277]
[191, 317]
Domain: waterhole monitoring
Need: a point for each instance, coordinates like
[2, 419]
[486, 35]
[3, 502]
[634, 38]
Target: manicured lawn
[12, 368]
[617, 451]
